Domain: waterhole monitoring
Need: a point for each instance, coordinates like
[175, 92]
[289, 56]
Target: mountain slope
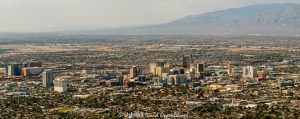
[270, 14]
[254, 19]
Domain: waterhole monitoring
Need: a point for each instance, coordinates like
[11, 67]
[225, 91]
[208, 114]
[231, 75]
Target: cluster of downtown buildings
[191, 73]
[35, 70]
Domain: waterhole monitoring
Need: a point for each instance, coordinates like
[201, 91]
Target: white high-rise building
[249, 72]
[48, 78]
[60, 85]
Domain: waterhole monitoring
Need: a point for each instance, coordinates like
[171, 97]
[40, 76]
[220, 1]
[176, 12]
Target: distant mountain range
[279, 18]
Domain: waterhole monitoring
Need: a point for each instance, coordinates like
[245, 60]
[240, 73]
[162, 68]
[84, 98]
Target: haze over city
[61, 15]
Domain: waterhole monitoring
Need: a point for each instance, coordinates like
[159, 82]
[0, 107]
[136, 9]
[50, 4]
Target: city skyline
[154, 76]
[183, 59]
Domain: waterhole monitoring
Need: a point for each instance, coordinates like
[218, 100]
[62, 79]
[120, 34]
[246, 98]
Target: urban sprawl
[159, 76]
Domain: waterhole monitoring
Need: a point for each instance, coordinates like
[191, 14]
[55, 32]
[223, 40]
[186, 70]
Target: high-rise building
[152, 68]
[14, 69]
[192, 71]
[48, 78]
[159, 67]
[249, 72]
[229, 68]
[159, 71]
[186, 61]
[135, 71]
[120, 78]
[162, 70]
[200, 68]
[60, 85]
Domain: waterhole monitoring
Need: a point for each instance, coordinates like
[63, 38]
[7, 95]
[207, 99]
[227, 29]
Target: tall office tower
[152, 68]
[249, 72]
[200, 68]
[186, 61]
[229, 68]
[60, 85]
[166, 68]
[135, 71]
[48, 78]
[14, 69]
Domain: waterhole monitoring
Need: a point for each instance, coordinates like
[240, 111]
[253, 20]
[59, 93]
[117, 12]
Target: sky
[52, 15]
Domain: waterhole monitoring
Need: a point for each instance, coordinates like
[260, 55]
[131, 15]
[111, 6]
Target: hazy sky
[45, 15]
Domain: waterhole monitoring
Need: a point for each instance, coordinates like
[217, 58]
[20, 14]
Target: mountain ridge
[276, 18]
